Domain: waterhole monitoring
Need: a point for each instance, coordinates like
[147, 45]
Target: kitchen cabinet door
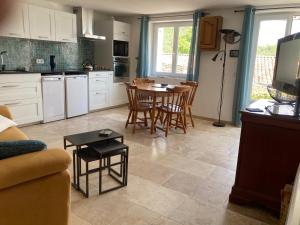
[41, 23]
[121, 31]
[26, 111]
[17, 25]
[118, 94]
[98, 100]
[65, 27]
[210, 36]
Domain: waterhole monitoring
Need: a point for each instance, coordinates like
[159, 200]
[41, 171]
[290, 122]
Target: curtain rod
[270, 8]
[170, 16]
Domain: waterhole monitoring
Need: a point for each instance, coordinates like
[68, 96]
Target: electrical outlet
[40, 61]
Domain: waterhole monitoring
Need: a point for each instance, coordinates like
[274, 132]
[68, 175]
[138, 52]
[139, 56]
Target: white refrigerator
[76, 95]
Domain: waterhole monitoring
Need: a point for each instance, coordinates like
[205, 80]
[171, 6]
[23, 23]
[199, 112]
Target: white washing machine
[53, 87]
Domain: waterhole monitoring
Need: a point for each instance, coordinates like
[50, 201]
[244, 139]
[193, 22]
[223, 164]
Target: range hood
[86, 23]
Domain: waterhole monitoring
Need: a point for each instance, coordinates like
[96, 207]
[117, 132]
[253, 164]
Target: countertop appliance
[121, 69]
[53, 89]
[76, 94]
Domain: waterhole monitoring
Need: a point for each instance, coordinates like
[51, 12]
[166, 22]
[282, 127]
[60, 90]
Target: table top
[157, 88]
[90, 137]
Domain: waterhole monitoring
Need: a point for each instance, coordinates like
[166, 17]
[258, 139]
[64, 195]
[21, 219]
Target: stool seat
[108, 148]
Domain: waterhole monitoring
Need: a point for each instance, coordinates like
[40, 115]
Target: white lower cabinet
[118, 94]
[99, 89]
[103, 93]
[22, 94]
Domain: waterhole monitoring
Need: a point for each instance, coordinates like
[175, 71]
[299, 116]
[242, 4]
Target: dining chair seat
[172, 110]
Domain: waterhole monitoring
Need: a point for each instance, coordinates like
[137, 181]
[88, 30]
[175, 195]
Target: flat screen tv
[287, 64]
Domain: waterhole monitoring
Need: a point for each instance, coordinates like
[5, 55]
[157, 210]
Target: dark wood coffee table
[90, 140]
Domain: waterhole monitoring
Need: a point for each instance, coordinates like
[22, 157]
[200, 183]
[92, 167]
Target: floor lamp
[229, 38]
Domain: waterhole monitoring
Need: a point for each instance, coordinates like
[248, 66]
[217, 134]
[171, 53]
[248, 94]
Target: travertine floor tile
[184, 179]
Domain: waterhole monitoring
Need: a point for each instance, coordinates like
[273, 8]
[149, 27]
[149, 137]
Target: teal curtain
[143, 59]
[243, 80]
[194, 59]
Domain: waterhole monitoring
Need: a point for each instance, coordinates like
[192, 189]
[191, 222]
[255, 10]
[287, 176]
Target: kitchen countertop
[58, 72]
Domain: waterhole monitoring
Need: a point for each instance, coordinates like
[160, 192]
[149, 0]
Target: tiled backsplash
[22, 53]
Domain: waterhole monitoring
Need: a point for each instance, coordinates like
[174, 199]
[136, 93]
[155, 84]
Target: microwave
[120, 48]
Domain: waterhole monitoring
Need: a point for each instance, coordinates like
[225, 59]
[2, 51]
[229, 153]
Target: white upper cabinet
[65, 27]
[17, 25]
[41, 23]
[121, 31]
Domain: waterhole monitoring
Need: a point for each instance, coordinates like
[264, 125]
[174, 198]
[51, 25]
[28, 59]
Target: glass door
[268, 29]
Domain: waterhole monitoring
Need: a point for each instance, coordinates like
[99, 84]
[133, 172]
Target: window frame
[176, 25]
[288, 16]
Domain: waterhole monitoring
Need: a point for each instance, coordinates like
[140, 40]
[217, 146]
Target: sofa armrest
[4, 111]
[20, 169]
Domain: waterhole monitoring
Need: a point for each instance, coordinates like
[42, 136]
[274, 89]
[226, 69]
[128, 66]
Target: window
[268, 29]
[171, 47]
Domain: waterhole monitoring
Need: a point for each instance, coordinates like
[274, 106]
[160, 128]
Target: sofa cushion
[15, 148]
[6, 123]
[12, 134]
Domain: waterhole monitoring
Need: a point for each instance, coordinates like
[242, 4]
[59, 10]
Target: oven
[121, 69]
[120, 48]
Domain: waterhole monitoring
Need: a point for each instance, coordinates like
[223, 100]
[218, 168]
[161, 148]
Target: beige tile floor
[184, 179]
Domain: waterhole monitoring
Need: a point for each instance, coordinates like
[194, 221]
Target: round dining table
[156, 90]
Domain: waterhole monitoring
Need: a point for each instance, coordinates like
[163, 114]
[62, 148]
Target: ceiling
[165, 6]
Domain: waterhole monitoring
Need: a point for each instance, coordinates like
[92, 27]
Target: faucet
[3, 66]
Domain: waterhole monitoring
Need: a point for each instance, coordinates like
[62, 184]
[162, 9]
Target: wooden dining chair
[172, 110]
[136, 106]
[194, 86]
[143, 81]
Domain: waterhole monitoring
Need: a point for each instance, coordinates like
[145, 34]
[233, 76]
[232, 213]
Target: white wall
[207, 99]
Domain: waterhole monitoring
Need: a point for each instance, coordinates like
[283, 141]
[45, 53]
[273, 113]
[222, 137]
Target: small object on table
[254, 110]
[105, 132]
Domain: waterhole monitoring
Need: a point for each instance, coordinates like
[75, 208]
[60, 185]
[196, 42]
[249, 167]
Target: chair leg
[168, 121]
[182, 122]
[128, 119]
[145, 118]
[156, 118]
[134, 121]
[190, 113]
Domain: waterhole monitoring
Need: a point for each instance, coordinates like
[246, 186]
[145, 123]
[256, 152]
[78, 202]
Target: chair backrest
[131, 89]
[143, 81]
[176, 98]
[194, 86]
[137, 97]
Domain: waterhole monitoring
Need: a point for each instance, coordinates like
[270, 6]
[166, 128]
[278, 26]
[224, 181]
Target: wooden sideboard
[269, 155]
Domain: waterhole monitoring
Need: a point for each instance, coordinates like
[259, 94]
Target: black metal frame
[104, 163]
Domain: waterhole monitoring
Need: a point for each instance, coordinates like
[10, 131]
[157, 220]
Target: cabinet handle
[65, 39]
[14, 34]
[44, 37]
[10, 104]
[10, 86]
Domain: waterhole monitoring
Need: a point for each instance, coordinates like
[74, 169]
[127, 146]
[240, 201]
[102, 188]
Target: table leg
[100, 176]
[74, 168]
[78, 166]
[87, 179]
[153, 114]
